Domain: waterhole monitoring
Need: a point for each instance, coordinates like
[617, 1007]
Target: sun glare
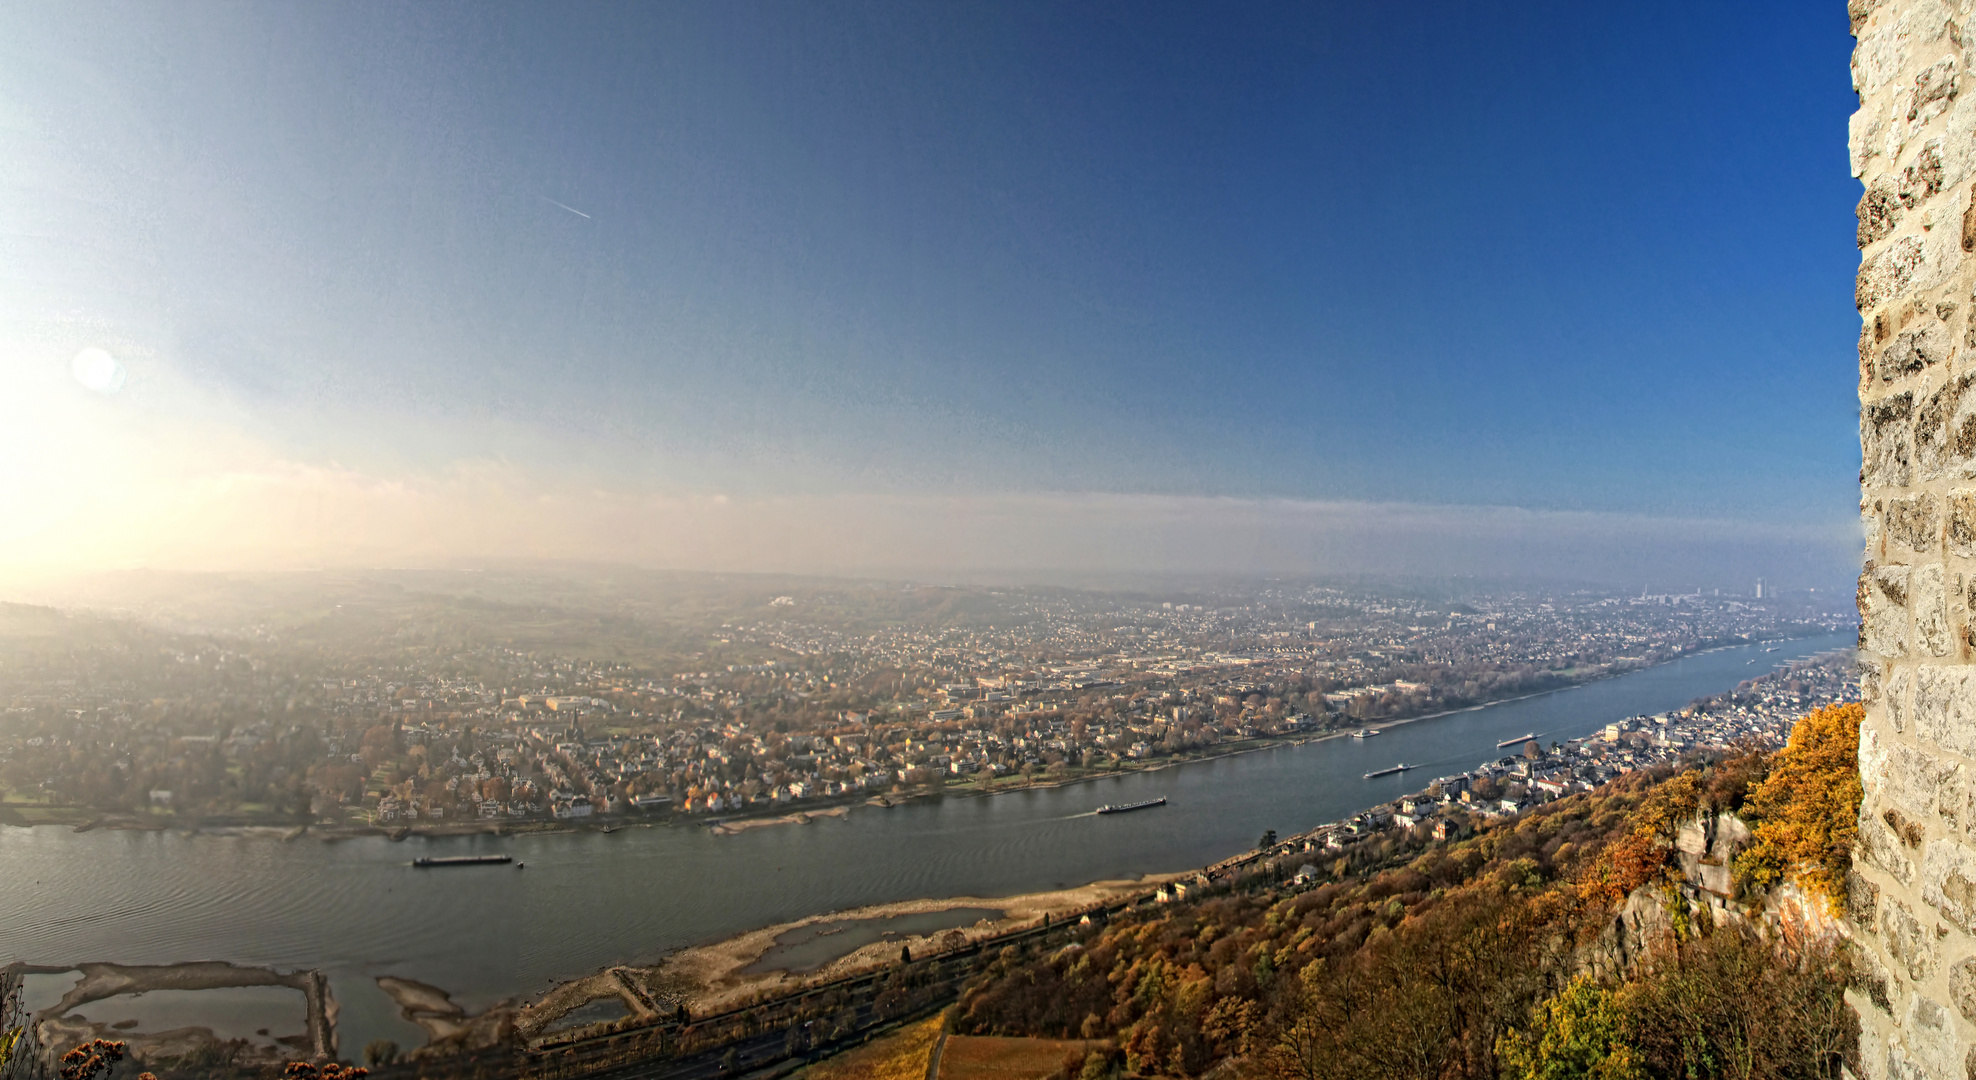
[98, 370]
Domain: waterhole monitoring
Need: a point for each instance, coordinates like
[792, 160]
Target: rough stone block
[1928, 603]
[1961, 533]
[1913, 352]
[1883, 609]
[1899, 697]
[1962, 986]
[1864, 134]
[1921, 180]
[1888, 273]
[1944, 711]
[1879, 212]
[1885, 773]
[1945, 429]
[1948, 882]
[1933, 1043]
[1885, 440]
[1934, 88]
[1906, 829]
[1858, 10]
[1914, 521]
[1901, 1067]
[1909, 943]
[1957, 131]
[1879, 848]
[1923, 785]
[1883, 51]
[1862, 904]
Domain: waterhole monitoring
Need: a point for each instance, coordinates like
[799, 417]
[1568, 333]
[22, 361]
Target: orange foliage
[1640, 856]
[303, 1070]
[85, 1061]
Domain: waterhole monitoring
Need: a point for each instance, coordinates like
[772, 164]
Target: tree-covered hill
[1502, 955]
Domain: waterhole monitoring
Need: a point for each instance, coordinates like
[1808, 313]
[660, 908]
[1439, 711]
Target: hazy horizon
[1020, 538]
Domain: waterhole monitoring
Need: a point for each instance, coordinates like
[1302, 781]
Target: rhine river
[358, 910]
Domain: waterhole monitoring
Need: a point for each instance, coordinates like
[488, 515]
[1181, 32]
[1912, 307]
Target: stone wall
[1913, 908]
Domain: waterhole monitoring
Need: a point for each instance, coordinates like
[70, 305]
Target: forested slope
[1505, 954]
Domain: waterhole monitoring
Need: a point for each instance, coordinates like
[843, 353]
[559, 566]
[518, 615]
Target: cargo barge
[463, 860]
[1127, 807]
[1518, 741]
[1377, 773]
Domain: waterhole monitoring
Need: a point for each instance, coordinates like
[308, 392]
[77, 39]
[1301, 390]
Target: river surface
[358, 910]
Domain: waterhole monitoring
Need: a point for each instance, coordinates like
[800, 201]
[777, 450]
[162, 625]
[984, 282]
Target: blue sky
[1564, 258]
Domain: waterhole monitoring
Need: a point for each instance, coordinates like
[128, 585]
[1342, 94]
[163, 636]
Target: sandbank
[801, 817]
[714, 975]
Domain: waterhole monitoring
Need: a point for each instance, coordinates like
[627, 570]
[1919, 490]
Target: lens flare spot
[98, 370]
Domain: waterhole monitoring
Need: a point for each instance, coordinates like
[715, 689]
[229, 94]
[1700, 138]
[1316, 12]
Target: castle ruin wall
[1912, 144]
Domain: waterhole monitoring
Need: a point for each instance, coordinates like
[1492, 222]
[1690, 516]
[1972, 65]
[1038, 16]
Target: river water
[357, 909]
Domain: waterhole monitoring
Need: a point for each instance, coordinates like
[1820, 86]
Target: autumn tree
[1806, 812]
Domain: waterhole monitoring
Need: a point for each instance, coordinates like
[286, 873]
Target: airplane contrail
[571, 209]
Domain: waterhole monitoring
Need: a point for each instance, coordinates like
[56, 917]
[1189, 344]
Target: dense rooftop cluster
[1758, 714]
[436, 707]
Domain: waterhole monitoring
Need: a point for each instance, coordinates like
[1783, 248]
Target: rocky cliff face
[1705, 850]
[1913, 903]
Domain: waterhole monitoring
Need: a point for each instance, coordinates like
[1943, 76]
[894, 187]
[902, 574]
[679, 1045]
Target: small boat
[1364, 733]
[1518, 741]
[1377, 773]
[1126, 807]
[463, 860]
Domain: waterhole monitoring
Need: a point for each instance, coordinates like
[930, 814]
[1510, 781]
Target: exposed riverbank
[717, 976]
[731, 972]
[800, 817]
[101, 982]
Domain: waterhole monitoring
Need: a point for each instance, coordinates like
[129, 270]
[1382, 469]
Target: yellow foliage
[902, 1055]
[1806, 813]
[1577, 1035]
[1666, 807]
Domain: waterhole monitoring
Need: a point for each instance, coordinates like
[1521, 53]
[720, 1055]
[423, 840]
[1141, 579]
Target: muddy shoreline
[714, 977]
[96, 981]
[716, 973]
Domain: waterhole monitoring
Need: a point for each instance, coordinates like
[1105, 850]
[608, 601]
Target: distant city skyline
[921, 288]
